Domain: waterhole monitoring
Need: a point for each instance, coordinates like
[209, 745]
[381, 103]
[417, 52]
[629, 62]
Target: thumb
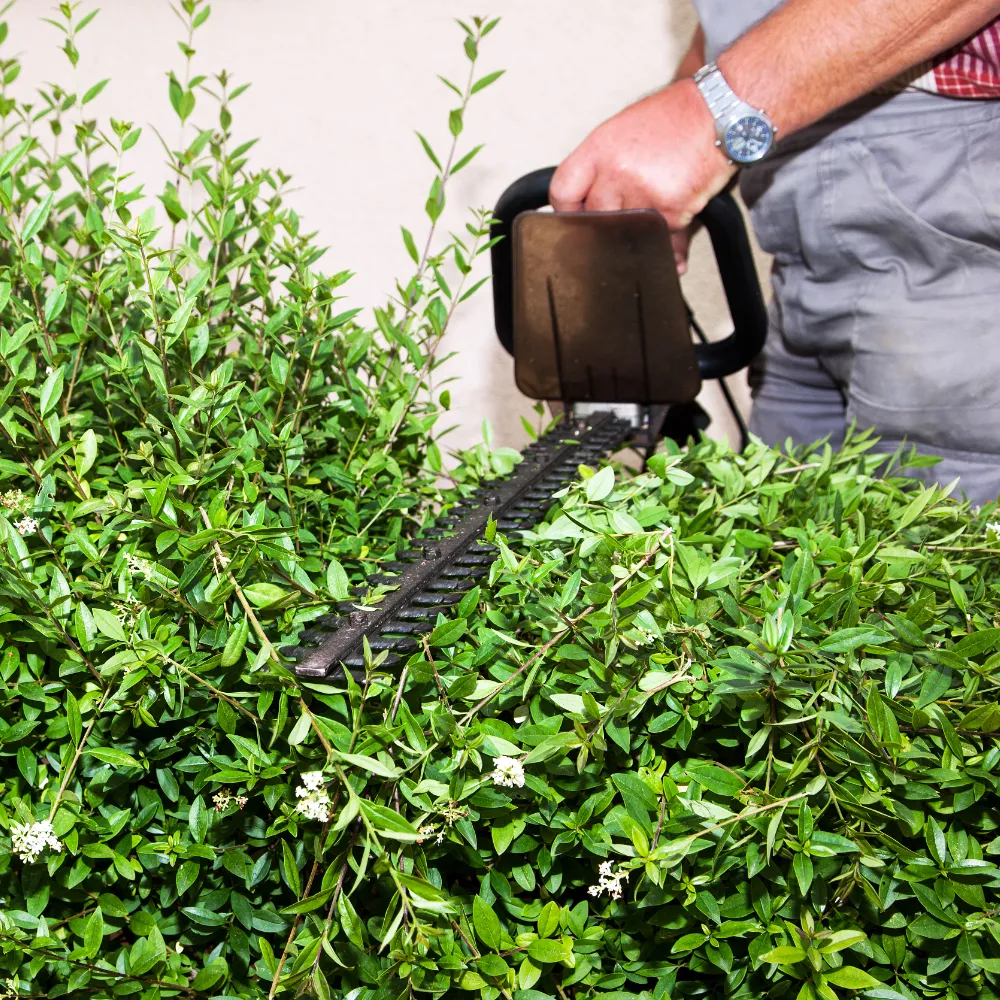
[572, 182]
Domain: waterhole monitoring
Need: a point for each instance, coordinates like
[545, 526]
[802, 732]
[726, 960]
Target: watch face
[748, 139]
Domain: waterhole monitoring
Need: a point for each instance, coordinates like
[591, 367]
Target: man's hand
[659, 153]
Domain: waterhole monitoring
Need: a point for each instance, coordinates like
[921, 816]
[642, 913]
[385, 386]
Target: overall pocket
[926, 364]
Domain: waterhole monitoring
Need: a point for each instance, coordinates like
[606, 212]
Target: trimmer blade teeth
[432, 574]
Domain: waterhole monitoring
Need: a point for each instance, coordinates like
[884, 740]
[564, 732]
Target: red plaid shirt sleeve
[970, 70]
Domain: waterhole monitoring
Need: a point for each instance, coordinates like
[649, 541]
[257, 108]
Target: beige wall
[339, 88]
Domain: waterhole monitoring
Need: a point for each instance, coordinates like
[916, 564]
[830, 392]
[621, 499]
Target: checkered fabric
[970, 70]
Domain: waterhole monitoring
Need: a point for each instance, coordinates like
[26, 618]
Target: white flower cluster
[11, 988]
[430, 830]
[610, 881]
[136, 564]
[993, 531]
[224, 799]
[26, 526]
[508, 772]
[129, 611]
[28, 840]
[314, 802]
[16, 501]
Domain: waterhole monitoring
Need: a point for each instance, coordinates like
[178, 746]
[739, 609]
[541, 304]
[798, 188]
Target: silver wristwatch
[746, 134]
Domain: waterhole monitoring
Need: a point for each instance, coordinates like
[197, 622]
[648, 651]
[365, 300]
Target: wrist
[701, 121]
[745, 133]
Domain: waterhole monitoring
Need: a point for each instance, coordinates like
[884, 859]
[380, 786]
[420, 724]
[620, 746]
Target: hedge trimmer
[589, 305]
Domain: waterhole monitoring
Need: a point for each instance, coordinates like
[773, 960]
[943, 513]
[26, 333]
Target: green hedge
[725, 728]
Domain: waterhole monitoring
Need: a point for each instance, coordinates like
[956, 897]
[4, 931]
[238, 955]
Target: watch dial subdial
[748, 139]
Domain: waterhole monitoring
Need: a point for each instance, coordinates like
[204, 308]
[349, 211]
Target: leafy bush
[725, 728]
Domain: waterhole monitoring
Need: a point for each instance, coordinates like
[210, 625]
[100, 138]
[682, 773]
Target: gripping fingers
[572, 182]
[604, 198]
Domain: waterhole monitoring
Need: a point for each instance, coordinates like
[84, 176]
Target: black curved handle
[728, 233]
[528, 194]
[727, 230]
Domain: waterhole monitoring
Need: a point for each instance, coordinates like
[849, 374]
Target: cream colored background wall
[339, 86]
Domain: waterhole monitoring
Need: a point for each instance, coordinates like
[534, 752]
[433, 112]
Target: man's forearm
[811, 57]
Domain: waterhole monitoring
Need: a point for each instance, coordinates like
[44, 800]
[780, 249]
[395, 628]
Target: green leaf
[94, 91]
[388, 823]
[290, 869]
[783, 955]
[600, 485]
[847, 639]
[448, 633]
[310, 903]
[73, 718]
[802, 866]
[336, 581]
[851, 978]
[411, 246]
[370, 765]
[27, 765]
[209, 975]
[506, 833]
[937, 682]
[300, 731]
[546, 950]
[131, 139]
[51, 392]
[716, 779]
[263, 595]
[916, 507]
[485, 81]
[14, 156]
[486, 923]
[279, 367]
[492, 965]
[233, 649]
[548, 919]
[430, 152]
[977, 643]
[86, 452]
[37, 218]
[93, 934]
[111, 755]
[187, 875]
[108, 624]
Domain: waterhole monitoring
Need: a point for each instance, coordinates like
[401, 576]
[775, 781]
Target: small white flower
[312, 781]
[28, 840]
[224, 799]
[26, 526]
[315, 805]
[508, 772]
[14, 500]
[993, 531]
[128, 612]
[136, 564]
[609, 881]
[314, 801]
